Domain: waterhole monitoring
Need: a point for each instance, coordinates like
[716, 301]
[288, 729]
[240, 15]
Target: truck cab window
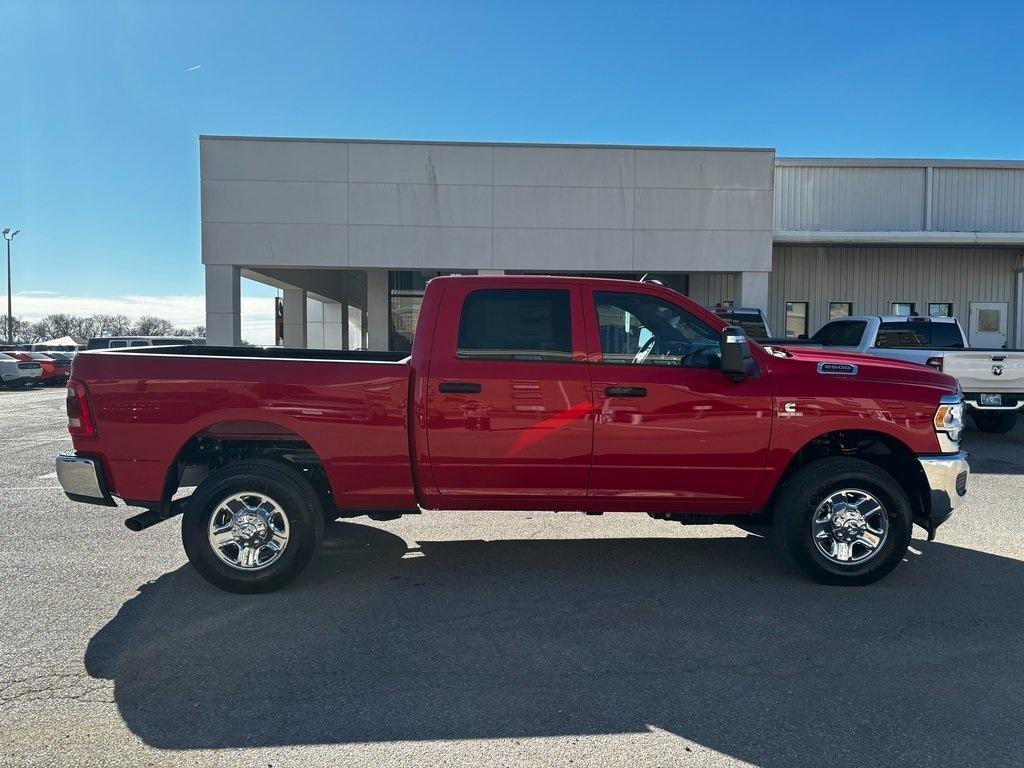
[515, 324]
[841, 333]
[946, 336]
[903, 335]
[637, 329]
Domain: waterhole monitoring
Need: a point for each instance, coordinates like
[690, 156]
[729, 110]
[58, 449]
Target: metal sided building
[350, 231]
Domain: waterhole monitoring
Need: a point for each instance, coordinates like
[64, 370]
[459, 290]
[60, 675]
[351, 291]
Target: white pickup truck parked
[923, 340]
[992, 380]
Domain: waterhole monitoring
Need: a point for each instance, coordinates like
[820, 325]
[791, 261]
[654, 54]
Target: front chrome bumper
[82, 479]
[947, 477]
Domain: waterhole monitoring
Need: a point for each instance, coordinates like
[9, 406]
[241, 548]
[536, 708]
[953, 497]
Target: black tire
[291, 492]
[996, 422]
[810, 487]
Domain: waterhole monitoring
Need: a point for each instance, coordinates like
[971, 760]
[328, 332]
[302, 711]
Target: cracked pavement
[468, 639]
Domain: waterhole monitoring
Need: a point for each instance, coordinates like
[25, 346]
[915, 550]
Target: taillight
[80, 423]
[934, 362]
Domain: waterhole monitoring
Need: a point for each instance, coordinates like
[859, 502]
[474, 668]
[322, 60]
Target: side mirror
[736, 358]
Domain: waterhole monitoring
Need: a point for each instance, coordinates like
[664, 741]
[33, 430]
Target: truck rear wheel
[843, 521]
[997, 422]
[252, 526]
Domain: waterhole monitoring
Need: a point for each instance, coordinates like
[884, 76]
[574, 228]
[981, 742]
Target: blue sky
[103, 101]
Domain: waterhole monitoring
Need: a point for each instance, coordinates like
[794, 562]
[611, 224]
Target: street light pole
[8, 236]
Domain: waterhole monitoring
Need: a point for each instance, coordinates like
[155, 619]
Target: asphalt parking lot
[502, 639]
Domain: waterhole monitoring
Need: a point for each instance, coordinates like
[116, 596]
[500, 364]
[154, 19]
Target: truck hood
[869, 367]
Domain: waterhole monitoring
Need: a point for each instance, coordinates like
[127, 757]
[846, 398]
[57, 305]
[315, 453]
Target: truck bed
[349, 407]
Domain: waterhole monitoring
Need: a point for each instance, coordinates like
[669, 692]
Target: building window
[796, 319]
[405, 290]
[940, 309]
[517, 324]
[904, 308]
[838, 309]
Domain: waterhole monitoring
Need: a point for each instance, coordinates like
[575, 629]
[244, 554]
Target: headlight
[949, 422]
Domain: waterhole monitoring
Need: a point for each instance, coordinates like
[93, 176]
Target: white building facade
[351, 230]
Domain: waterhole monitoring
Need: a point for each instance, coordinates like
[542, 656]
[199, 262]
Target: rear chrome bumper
[976, 405]
[947, 478]
[18, 381]
[82, 479]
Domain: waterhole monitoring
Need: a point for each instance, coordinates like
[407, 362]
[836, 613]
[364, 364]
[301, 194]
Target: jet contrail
[193, 69]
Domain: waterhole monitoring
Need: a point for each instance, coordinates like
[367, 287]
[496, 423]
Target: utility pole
[8, 236]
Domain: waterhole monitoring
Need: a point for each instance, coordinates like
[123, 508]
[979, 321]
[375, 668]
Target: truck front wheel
[843, 521]
[252, 526]
[997, 422]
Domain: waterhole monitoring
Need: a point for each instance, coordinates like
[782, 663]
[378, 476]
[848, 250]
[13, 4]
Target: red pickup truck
[521, 393]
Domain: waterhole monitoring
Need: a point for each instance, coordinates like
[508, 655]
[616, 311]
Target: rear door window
[849, 333]
[516, 324]
[826, 334]
[840, 333]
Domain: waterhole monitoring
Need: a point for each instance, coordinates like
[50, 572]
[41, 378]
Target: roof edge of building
[896, 162]
[532, 144]
[909, 237]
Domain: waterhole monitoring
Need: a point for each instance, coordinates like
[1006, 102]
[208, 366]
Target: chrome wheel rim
[248, 531]
[850, 527]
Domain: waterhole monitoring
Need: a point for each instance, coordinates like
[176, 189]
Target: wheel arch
[219, 443]
[879, 448]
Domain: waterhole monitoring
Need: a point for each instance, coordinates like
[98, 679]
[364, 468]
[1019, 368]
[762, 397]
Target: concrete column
[223, 305]
[377, 308]
[751, 291]
[314, 323]
[295, 318]
[344, 326]
[334, 326]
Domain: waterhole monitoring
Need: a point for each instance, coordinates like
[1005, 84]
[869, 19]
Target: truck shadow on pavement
[711, 639]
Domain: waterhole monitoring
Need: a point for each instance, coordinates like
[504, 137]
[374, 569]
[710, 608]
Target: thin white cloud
[193, 69]
[183, 311]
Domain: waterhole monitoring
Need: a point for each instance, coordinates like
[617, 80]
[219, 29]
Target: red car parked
[55, 371]
[522, 393]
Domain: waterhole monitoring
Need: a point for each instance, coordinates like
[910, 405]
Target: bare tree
[54, 326]
[86, 327]
[114, 325]
[148, 325]
[22, 330]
